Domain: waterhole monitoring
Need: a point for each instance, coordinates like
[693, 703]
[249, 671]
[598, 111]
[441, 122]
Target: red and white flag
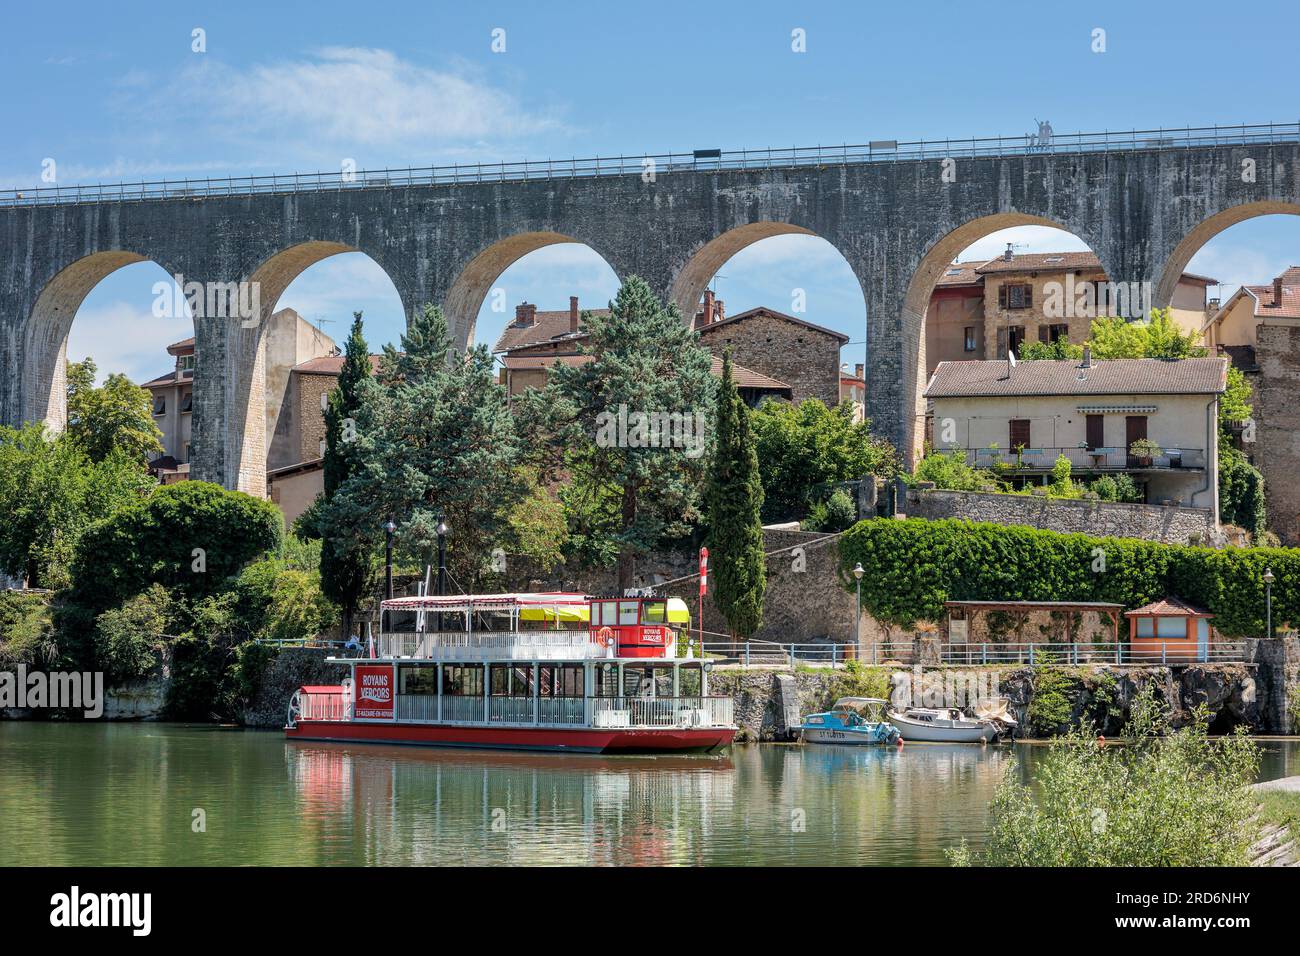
[704, 571]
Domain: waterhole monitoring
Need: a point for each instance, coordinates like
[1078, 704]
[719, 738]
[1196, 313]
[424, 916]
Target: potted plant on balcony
[1142, 452]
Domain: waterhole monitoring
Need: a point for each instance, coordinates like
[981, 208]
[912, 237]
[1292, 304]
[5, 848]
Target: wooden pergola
[1022, 610]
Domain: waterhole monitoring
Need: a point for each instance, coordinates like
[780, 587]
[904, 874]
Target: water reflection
[126, 794]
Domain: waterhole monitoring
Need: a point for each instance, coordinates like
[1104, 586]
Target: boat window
[627, 612]
[654, 612]
[606, 680]
[462, 680]
[417, 680]
[512, 680]
[816, 720]
[688, 682]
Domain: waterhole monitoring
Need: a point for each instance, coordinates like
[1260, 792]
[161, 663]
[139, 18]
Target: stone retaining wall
[1171, 525]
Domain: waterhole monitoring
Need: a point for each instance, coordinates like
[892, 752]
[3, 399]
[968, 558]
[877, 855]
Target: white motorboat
[946, 725]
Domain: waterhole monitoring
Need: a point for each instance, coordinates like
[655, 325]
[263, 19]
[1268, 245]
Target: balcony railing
[1103, 458]
[459, 645]
[877, 151]
[323, 706]
[1149, 652]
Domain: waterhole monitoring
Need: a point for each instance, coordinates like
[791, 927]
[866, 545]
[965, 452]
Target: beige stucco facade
[295, 488]
[1058, 425]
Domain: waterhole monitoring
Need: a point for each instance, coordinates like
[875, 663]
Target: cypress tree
[346, 560]
[734, 503]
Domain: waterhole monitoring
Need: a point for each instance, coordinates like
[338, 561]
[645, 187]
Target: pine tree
[734, 504]
[347, 558]
[646, 368]
[435, 440]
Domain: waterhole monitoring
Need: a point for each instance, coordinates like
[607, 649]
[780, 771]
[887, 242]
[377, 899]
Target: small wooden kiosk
[1169, 630]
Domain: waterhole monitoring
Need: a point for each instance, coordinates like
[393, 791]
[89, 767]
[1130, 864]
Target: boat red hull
[579, 739]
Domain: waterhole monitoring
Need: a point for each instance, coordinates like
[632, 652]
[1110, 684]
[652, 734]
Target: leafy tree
[733, 509]
[592, 515]
[1158, 338]
[347, 557]
[801, 447]
[645, 361]
[950, 471]
[189, 537]
[536, 525]
[50, 492]
[129, 639]
[435, 440]
[115, 417]
[1241, 492]
[835, 514]
[1058, 350]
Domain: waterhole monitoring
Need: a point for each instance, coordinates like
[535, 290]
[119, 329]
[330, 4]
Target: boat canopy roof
[549, 600]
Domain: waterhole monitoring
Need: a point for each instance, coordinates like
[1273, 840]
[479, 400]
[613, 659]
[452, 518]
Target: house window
[1019, 433]
[160, 404]
[185, 363]
[187, 402]
[1015, 338]
[1017, 296]
[1054, 333]
[970, 338]
[186, 452]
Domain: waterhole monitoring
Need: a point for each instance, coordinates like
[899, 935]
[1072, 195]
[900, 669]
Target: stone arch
[1207, 229]
[475, 279]
[693, 277]
[937, 256]
[230, 426]
[45, 335]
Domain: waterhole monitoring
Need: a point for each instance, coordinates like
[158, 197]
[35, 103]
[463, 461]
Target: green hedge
[913, 566]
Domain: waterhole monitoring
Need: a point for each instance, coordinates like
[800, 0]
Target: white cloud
[336, 103]
[125, 337]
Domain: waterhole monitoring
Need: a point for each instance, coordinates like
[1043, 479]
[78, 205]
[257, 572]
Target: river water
[145, 794]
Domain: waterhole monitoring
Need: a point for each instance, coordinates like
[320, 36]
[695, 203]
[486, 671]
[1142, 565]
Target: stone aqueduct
[1144, 207]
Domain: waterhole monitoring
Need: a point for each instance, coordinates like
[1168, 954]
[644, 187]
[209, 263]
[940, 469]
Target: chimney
[525, 314]
[1007, 254]
[858, 370]
[717, 310]
[1277, 291]
[1087, 357]
[708, 307]
[573, 313]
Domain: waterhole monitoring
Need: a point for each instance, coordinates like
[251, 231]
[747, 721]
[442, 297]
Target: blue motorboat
[852, 720]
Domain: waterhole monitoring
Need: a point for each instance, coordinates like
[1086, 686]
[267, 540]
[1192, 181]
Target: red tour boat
[546, 671]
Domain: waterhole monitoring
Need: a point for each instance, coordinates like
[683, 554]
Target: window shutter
[1002, 297]
[1002, 343]
[1029, 296]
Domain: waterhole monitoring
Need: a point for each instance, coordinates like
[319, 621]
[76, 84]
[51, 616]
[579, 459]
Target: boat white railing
[462, 645]
[334, 706]
[662, 711]
[602, 712]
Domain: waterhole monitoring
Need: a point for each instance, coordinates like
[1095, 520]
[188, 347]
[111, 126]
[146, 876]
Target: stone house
[780, 346]
[1018, 418]
[536, 341]
[983, 310]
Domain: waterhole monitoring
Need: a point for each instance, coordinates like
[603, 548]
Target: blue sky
[115, 92]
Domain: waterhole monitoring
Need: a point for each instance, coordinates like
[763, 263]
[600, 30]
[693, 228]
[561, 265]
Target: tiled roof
[330, 365]
[1169, 605]
[744, 377]
[1265, 302]
[547, 327]
[960, 273]
[181, 346]
[764, 310]
[1198, 376]
[167, 378]
[1041, 262]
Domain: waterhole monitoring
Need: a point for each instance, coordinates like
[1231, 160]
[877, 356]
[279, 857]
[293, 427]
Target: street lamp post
[442, 564]
[857, 622]
[389, 529]
[1268, 600]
